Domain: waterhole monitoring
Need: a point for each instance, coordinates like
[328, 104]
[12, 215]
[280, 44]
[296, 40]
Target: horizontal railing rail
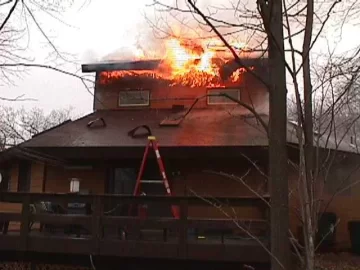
[227, 223]
[10, 216]
[54, 219]
[153, 223]
[17, 197]
[98, 220]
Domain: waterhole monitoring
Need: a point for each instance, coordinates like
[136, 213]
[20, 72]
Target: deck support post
[183, 228]
[25, 222]
[96, 215]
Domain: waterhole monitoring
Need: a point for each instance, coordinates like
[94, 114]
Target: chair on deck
[42, 207]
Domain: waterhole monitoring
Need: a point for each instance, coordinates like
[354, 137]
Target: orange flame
[186, 57]
[185, 63]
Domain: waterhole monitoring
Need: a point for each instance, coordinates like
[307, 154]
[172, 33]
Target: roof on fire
[200, 128]
[153, 64]
[121, 65]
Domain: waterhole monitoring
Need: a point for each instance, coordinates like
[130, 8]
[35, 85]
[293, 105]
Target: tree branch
[18, 98]
[9, 15]
[236, 222]
[246, 106]
[231, 49]
[46, 67]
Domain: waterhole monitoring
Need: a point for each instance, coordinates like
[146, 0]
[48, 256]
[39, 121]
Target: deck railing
[106, 229]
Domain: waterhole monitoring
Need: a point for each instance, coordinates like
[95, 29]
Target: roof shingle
[207, 127]
[200, 128]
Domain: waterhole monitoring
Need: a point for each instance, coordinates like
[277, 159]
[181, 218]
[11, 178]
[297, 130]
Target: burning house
[198, 102]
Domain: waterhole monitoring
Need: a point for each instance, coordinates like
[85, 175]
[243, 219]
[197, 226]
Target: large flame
[187, 63]
[188, 57]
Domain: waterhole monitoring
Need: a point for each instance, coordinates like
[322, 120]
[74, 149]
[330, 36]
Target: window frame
[147, 91]
[219, 90]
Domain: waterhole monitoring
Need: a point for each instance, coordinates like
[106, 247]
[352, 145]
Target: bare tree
[262, 25]
[19, 20]
[19, 125]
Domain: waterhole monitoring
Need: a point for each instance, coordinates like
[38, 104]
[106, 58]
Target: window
[24, 178]
[215, 100]
[134, 98]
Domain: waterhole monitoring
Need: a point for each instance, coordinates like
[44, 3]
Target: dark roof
[200, 128]
[29, 154]
[154, 64]
[121, 65]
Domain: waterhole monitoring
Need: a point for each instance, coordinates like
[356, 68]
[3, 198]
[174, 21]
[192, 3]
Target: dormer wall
[157, 95]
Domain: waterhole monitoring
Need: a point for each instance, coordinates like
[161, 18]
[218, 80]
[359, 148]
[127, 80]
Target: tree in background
[261, 27]
[19, 21]
[19, 125]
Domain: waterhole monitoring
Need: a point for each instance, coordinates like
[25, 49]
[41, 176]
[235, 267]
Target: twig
[43, 32]
[9, 15]
[46, 67]
[330, 231]
[6, 2]
[340, 190]
[246, 106]
[240, 180]
[256, 166]
[231, 49]
[18, 98]
[239, 226]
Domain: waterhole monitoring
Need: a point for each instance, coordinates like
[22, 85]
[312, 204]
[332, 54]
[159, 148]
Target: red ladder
[152, 143]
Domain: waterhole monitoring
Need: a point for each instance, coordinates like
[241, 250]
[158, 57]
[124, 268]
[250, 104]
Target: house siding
[57, 182]
[37, 177]
[344, 205]
[205, 184]
[192, 175]
[12, 207]
[58, 179]
[252, 92]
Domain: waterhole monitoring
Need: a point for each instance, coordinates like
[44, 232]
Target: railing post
[265, 210]
[96, 214]
[25, 222]
[267, 217]
[183, 230]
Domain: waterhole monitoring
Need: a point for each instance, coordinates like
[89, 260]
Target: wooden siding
[208, 184]
[252, 93]
[58, 179]
[344, 205]
[37, 177]
[12, 207]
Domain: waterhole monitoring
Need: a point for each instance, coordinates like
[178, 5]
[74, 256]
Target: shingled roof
[200, 128]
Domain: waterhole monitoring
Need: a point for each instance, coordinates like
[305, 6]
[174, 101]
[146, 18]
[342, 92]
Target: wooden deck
[104, 233]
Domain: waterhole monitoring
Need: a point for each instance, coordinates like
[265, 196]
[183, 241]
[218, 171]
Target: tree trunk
[280, 246]
[309, 191]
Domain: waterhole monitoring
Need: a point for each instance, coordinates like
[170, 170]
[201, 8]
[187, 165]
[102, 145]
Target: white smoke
[145, 39]
[90, 56]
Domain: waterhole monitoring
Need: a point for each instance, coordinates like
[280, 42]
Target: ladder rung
[152, 182]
